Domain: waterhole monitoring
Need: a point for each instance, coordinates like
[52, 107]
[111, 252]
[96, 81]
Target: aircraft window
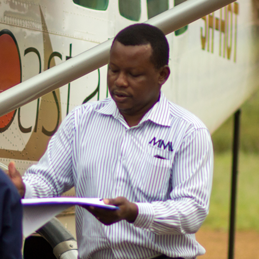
[100, 5]
[155, 7]
[130, 9]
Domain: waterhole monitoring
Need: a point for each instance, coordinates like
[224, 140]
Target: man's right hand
[16, 179]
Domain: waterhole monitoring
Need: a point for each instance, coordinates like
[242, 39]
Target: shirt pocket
[152, 175]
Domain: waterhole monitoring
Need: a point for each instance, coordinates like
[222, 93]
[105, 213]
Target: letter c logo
[10, 70]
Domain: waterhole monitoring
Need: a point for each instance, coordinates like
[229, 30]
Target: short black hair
[142, 34]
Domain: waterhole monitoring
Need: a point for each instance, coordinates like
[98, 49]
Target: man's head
[137, 70]
[144, 34]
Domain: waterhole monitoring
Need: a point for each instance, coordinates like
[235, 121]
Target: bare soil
[216, 244]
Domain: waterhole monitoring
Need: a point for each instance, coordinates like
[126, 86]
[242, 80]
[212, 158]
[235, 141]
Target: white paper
[38, 211]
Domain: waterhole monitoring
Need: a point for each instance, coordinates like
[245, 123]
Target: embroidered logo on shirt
[160, 143]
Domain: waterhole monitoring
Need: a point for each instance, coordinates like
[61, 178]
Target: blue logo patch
[160, 143]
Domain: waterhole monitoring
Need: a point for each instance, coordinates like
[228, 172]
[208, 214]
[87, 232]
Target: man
[10, 219]
[148, 156]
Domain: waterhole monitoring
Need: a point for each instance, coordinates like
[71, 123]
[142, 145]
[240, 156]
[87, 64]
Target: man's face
[134, 82]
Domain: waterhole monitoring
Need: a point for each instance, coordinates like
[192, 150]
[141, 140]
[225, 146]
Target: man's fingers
[127, 211]
[105, 216]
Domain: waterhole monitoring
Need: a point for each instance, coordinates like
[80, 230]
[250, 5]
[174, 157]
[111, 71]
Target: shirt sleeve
[10, 220]
[53, 174]
[28, 191]
[188, 205]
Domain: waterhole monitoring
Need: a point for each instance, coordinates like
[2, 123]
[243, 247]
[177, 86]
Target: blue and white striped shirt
[164, 165]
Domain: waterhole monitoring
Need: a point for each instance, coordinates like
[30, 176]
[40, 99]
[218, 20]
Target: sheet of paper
[38, 211]
[34, 217]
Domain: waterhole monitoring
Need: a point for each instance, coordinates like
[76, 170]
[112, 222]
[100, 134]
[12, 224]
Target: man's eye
[134, 75]
[115, 70]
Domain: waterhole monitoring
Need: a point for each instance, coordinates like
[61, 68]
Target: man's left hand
[127, 211]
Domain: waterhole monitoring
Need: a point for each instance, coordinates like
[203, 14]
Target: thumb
[16, 178]
[12, 170]
[116, 201]
[109, 201]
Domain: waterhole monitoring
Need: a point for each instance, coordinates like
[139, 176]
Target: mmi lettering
[160, 143]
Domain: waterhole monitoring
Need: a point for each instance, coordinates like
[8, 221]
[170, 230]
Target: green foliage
[249, 132]
[248, 178]
[247, 194]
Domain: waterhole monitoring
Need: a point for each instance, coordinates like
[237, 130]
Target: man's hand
[127, 211]
[16, 179]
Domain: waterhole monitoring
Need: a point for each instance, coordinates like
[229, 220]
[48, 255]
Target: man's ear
[163, 74]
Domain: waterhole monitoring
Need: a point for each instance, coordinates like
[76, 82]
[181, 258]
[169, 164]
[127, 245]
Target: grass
[247, 195]
[249, 130]
[247, 217]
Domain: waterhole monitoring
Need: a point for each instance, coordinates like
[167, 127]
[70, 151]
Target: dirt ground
[216, 244]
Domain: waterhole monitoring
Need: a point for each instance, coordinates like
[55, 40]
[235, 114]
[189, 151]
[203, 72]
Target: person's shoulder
[91, 107]
[5, 182]
[85, 110]
[179, 113]
[80, 114]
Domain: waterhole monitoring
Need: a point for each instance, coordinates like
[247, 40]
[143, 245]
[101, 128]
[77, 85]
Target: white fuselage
[214, 64]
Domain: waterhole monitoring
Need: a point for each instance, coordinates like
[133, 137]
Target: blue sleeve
[10, 219]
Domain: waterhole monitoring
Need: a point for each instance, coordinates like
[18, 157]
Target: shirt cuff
[28, 191]
[145, 216]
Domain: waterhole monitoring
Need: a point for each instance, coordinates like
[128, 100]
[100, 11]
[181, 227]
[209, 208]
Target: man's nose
[121, 80]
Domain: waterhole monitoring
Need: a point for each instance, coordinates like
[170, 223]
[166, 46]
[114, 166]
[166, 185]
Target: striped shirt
[164, 165]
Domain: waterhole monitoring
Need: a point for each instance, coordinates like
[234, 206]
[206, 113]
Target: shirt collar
[158, 114]
[110, 109]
